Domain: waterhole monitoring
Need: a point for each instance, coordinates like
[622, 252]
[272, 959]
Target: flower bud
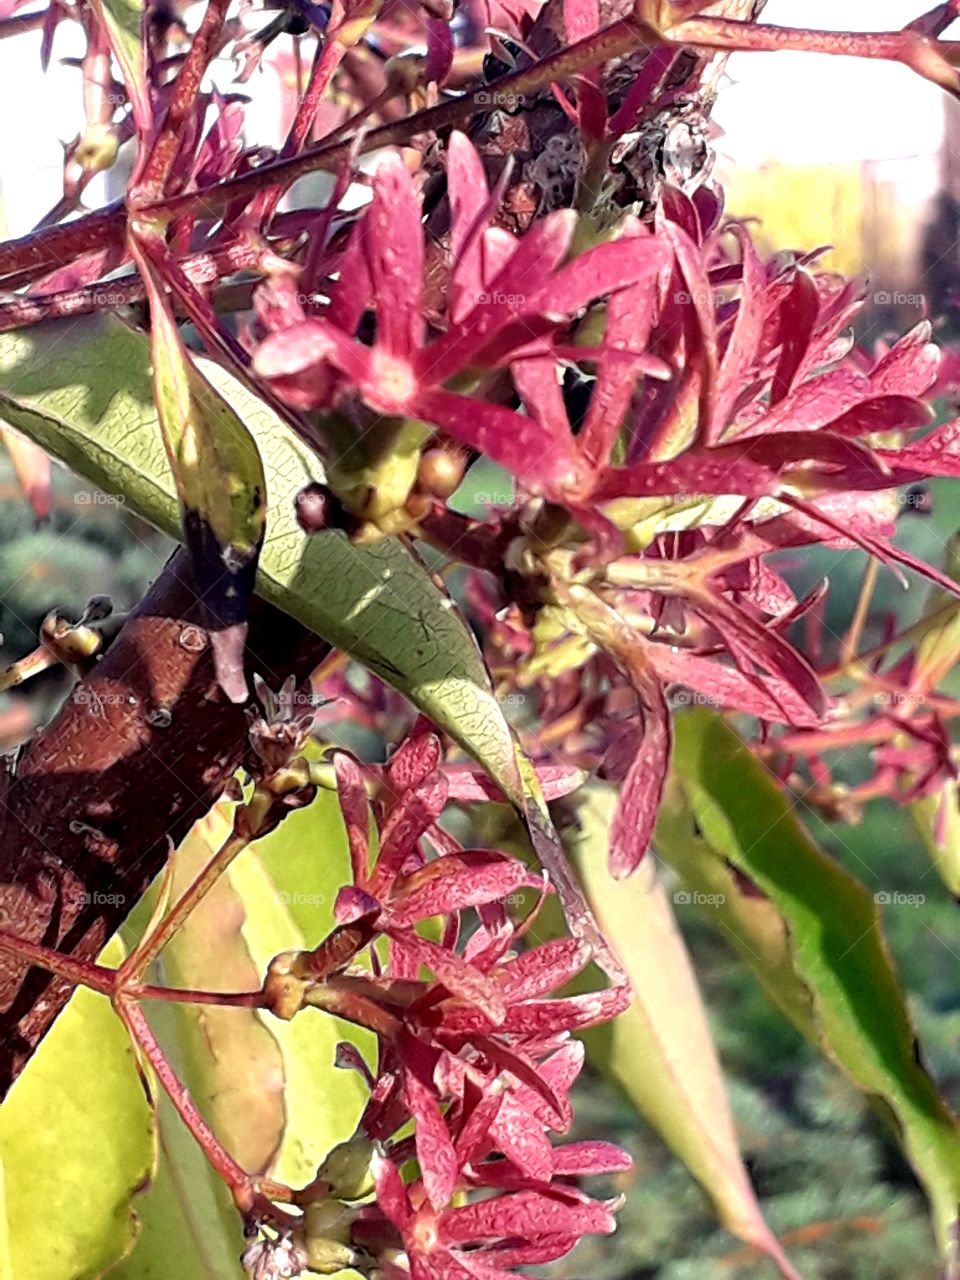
[326, 1230]
[97, 149]
[346, 1168]
[404, 73]
[440, 472]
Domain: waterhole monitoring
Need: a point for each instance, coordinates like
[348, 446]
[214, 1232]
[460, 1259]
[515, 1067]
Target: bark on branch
[139, 751]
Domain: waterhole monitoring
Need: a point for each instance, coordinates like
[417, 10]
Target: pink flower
[486, 1239]
[504, 297]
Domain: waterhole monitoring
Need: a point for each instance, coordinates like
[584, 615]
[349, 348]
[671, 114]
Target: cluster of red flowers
[479, 1054]
[728, 417]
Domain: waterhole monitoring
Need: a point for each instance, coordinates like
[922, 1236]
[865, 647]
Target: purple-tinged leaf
[354, 292]
[547, 1249]
[352, 904]
[412, 763]
[910, 366]
[453, 883]
[751, 644]
[518, 443]
[439, 1166]
[606, 268]
[542, 1089]
[394, 248]
[468, 195]
[757, 695]
[474, 1134]
[391, 1193]
[631, 313]
[461, 979]
[701, 328]
[642, 789]
[798, 317]
[816, 403]
[741, 350]
[504, 299]
[886, 413]
[523, 1142]
[469, 784]
[543, 969]
[546, 1017]
[408, 820]
[541, 393]
[352, 796]
[583, 1159]
[525, 1214]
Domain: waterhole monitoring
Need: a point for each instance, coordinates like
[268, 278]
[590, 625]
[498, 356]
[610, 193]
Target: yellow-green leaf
[189, 1227]
[77, 1142]
[831, 925]
[288, 883]
[660, 1051]
[228, 1059]
[937, 820]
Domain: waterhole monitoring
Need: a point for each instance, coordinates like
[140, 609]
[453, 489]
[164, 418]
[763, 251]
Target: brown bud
[318, 508]
[440, 472]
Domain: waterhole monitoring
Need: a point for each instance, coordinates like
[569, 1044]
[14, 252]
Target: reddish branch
[928, 57]
[138, 752]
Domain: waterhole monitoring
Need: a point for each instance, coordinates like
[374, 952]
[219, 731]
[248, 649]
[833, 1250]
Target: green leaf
[834, 940]
[750, 922]
[937, 816]
[77, 1142]
[83, 392]
[937, 820]
[660, 1050]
